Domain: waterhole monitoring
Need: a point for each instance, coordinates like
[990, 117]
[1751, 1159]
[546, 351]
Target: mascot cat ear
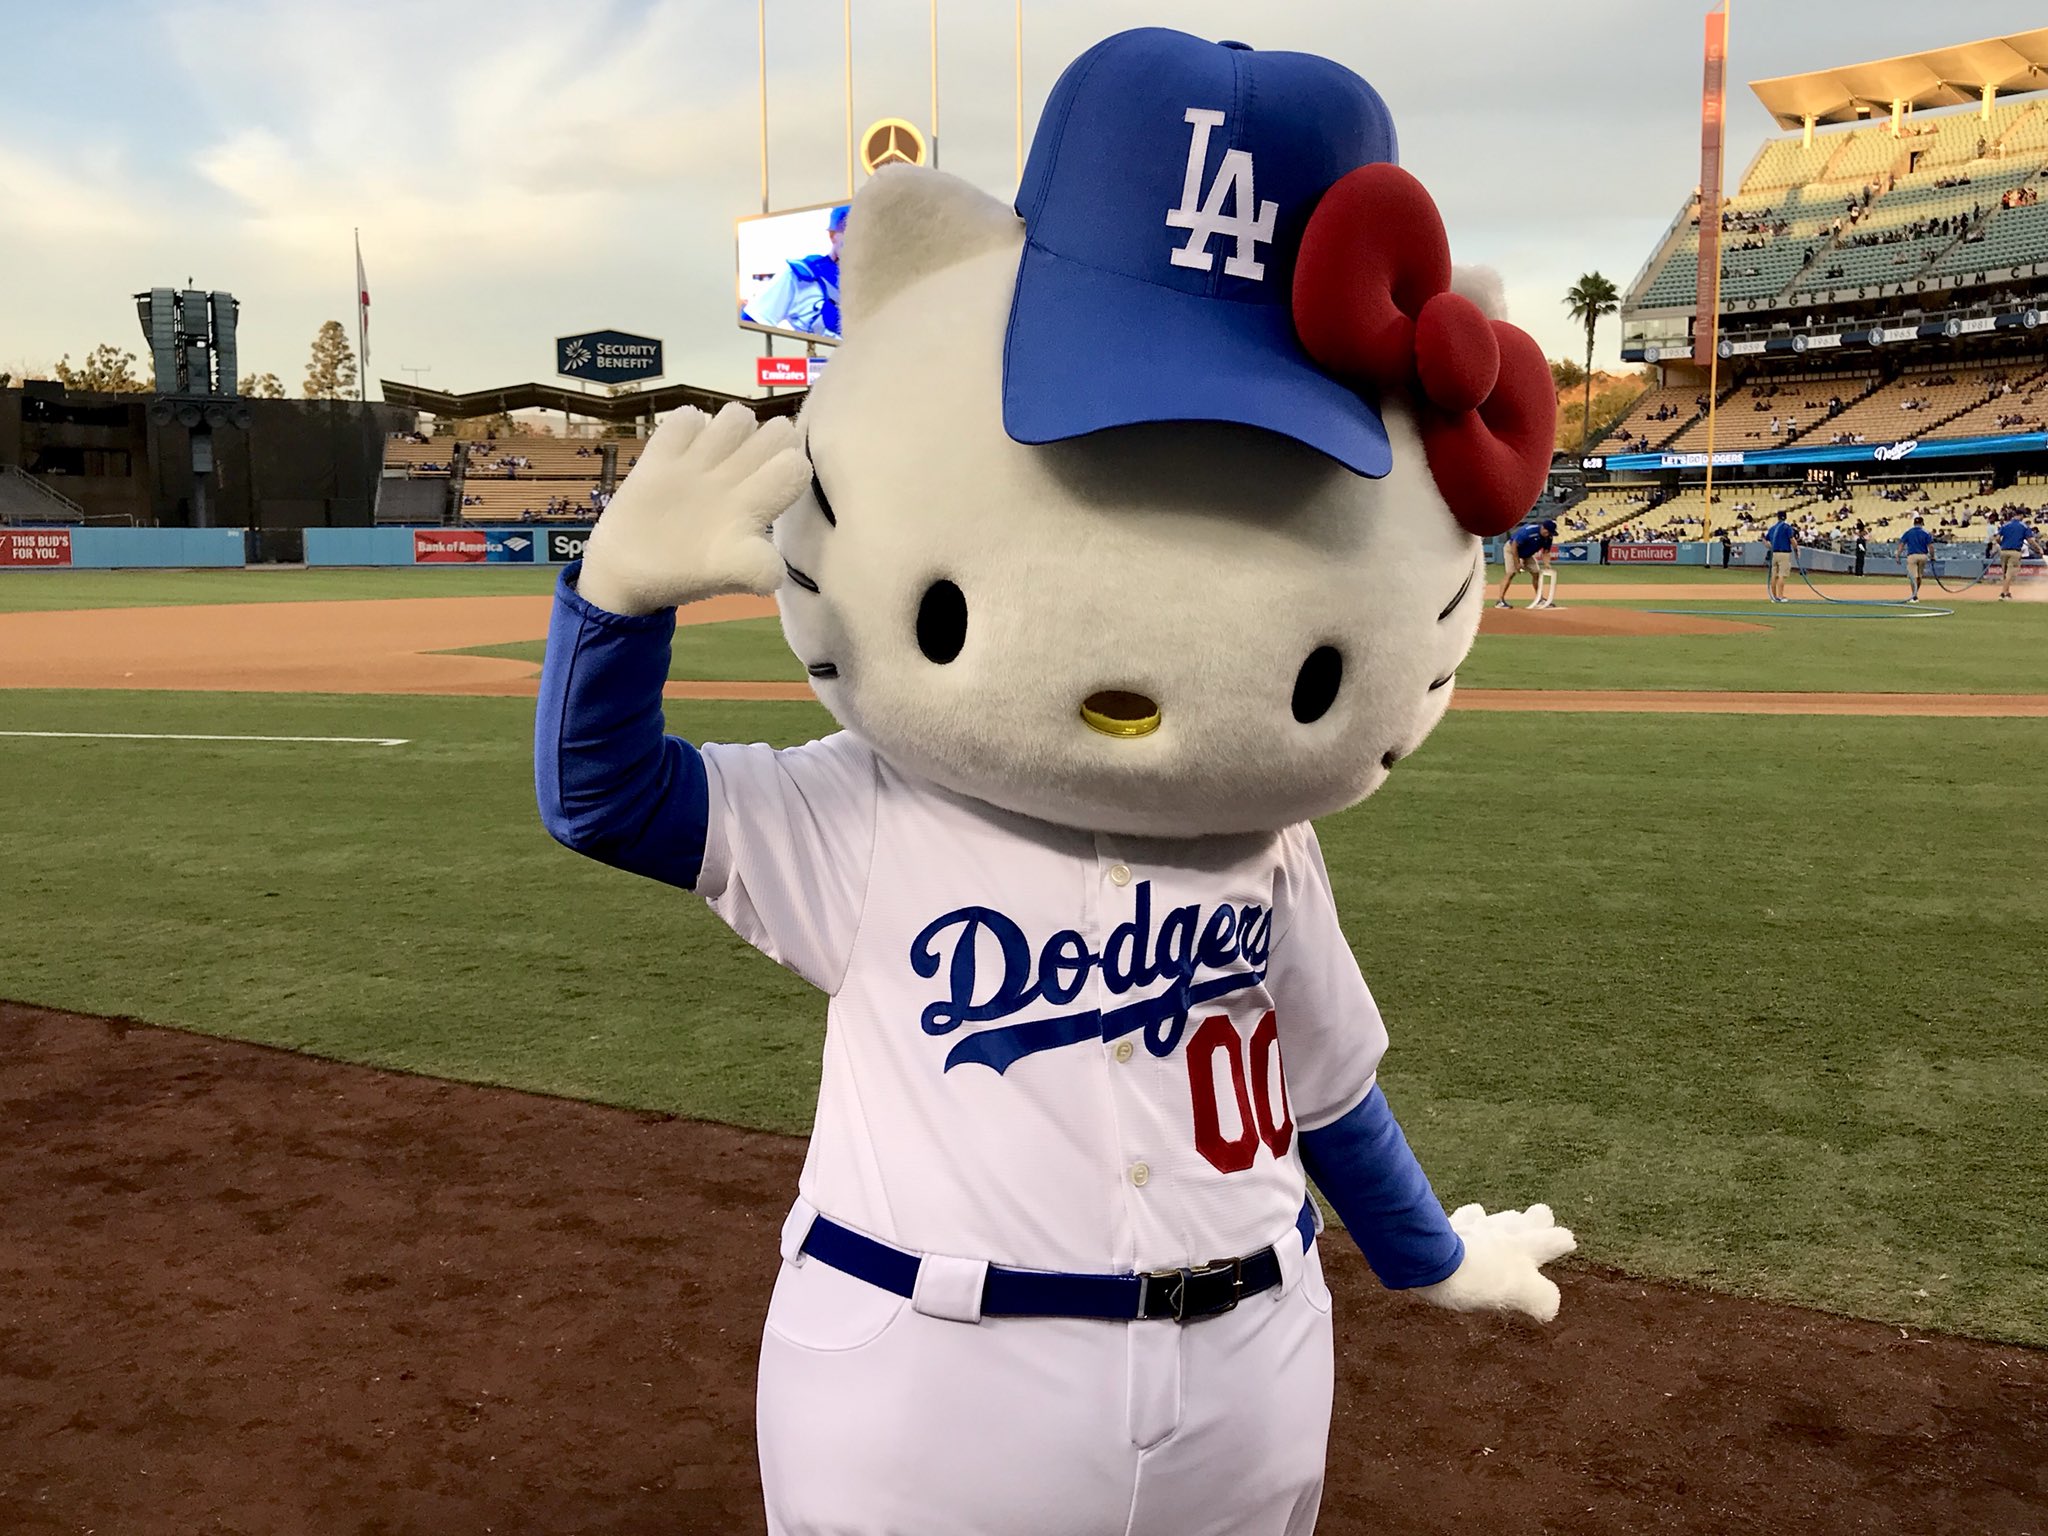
[906, 224]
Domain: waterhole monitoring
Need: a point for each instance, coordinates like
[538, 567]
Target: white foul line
[354, 741]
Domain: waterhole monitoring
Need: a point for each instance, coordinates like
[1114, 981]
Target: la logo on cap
[1233, 180]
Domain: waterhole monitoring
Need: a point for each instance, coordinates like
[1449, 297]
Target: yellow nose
[1115, 712]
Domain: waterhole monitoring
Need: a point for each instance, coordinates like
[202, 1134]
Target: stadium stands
[1913, 403]
[1859, 207]
[1769, 412]
[523, 500]
[1654, 419]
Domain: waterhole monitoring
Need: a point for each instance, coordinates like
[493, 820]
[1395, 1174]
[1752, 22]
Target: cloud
[519, 169]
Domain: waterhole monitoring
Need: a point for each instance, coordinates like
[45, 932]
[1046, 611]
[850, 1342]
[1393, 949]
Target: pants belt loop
[795, 1228]
[950, 1288]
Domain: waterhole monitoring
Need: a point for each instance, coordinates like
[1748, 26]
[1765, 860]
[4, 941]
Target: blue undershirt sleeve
[1365, 1169]
[610, 783]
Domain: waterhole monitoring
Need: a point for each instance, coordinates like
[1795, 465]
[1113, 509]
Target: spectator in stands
[1783, 539]
[2015, 539]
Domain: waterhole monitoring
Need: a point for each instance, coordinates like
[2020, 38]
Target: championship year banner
[35, 546]
[1642, 554]
[450, 546]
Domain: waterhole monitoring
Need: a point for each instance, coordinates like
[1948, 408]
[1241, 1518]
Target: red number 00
[1259, 1119]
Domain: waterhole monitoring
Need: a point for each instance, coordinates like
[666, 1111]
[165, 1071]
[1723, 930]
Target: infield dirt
[401, 646]
[251, 1292]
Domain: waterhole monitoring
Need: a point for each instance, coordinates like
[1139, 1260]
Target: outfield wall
[519, 544]
[103, 549]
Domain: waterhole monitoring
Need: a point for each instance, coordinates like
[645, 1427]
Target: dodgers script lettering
[1187, 943]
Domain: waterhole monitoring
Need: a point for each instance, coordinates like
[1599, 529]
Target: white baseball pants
[876, 1419]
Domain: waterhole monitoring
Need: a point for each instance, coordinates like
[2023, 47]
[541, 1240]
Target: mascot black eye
[941, 622]
[1316, 684]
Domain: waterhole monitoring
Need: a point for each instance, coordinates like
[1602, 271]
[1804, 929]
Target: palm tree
[1588, 299]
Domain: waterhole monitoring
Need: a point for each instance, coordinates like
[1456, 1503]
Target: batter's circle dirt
[243, 1291]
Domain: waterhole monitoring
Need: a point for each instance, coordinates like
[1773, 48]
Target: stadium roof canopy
[1940, 77]
[553, 397]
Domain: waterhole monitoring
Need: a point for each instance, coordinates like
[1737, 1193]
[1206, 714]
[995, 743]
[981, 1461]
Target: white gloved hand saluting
[691, 521]
[1501, 1270]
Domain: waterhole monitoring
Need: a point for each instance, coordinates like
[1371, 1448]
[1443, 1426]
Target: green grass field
[1753, 1001]
[46, 591]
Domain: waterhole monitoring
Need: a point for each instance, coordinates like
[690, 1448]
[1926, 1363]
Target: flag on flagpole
[362, 324]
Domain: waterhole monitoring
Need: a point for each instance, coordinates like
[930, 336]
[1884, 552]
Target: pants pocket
[820, 1308]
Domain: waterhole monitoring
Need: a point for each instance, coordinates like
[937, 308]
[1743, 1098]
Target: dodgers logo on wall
[608, 357]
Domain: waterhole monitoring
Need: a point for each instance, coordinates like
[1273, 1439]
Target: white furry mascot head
[1153, 505]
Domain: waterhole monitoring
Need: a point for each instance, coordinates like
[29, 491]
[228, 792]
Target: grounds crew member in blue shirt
[1524, 549]
[1916, 542]
[2014, 540]
[1783, 539]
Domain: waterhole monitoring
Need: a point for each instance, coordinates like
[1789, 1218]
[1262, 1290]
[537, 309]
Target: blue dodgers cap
[1163, 205]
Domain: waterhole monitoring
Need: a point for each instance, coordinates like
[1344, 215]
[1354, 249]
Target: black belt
[1183, 1295]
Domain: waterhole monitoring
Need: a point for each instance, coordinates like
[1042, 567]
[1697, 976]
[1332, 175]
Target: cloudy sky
[522, 170]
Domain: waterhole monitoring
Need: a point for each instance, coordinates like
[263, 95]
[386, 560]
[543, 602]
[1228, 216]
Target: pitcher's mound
[1604, 621]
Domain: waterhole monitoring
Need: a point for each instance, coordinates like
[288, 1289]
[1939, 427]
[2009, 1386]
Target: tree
[331, 370]
[1591, 297]
[260, 386]
[1565, 373]
[106, 370]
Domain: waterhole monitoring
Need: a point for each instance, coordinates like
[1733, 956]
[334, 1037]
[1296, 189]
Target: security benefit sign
[35, 546]
[608, 357]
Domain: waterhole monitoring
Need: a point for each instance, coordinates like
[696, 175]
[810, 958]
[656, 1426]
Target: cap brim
[1089, 350]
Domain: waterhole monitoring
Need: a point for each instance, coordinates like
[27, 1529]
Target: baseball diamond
[1247, 853]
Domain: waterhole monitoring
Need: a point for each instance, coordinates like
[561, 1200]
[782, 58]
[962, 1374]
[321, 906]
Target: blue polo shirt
[2014, 535]
[1529, 540]
[1917, 541]
[1781, 537]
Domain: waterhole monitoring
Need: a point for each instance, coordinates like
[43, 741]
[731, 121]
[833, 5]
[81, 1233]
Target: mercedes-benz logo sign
[891, 141]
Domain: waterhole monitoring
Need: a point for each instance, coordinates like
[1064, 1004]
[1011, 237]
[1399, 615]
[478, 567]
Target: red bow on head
[1373, 305]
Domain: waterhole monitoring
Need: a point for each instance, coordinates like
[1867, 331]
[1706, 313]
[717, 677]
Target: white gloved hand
[1500, 1272]
[691, 520]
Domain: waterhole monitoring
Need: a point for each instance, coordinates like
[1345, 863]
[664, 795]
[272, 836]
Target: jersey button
[1123, 1050]
[1140, 1175]
[1119, 874]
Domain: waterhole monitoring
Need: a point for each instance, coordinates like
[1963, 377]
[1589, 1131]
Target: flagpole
[362, 328]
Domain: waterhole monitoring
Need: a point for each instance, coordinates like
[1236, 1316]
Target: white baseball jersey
[1044, 1048]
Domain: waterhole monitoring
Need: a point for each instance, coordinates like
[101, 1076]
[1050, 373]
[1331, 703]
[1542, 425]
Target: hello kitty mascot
[1128, 531]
